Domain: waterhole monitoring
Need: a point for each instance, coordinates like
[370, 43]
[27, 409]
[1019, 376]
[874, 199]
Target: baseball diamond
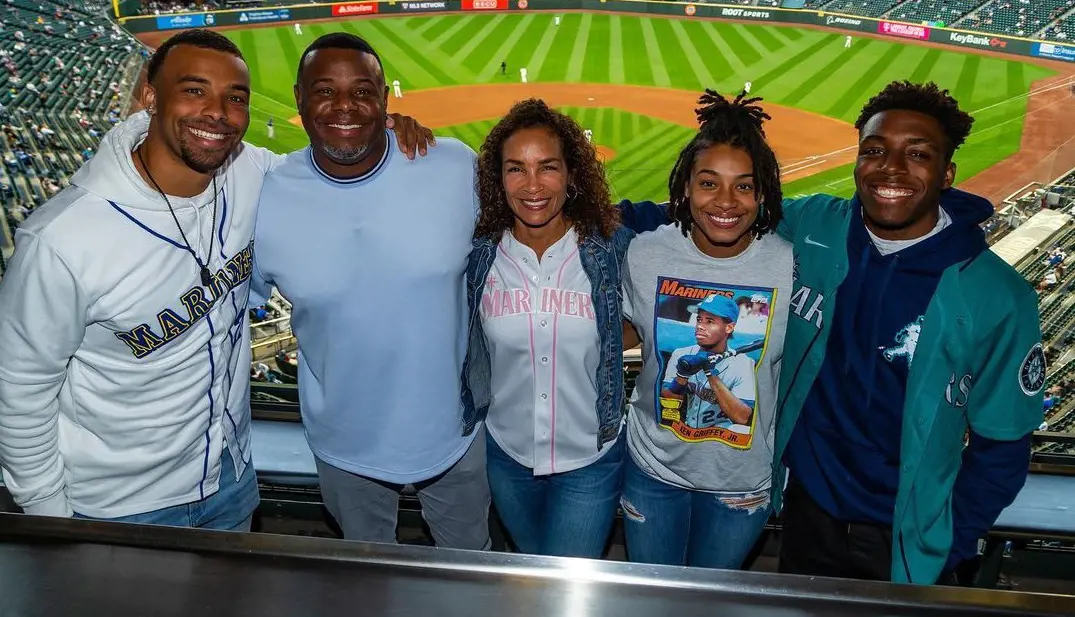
[633, 80]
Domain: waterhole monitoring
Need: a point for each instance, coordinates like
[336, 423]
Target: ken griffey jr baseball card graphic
[708, 340]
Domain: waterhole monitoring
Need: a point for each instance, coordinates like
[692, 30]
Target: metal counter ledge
[53, 567]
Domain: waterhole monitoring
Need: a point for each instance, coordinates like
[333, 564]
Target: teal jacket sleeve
[790, 217]
[1007, 401]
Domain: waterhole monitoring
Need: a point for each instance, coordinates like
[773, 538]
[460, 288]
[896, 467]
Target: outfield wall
[956, 38]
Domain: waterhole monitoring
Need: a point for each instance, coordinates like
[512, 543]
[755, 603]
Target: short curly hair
[589, 206]
[928, 99]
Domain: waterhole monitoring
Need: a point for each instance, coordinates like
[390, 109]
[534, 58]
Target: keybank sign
[972, 40]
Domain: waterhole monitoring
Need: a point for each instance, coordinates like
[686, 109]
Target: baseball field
[633, 81]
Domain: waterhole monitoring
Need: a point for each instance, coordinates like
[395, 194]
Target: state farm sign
[485, 5]
[354, 8]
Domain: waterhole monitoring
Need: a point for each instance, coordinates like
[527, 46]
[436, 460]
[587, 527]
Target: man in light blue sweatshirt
[371, 248]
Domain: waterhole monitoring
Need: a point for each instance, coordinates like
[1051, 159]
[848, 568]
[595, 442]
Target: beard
[346, 155]
[201, 160]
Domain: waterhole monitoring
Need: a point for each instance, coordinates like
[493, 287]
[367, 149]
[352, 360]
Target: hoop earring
[572, 196]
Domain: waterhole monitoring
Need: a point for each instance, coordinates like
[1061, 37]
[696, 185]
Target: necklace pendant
[207, 278]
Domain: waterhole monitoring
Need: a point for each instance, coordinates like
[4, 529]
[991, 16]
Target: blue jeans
[669, 525]
[231, 508]
[565, 514]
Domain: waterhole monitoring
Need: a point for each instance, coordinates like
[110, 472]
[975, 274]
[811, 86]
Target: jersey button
[544, 323]
[544, 396]
[544, 359]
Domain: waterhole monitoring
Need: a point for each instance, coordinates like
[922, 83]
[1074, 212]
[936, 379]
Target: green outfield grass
[807, 69]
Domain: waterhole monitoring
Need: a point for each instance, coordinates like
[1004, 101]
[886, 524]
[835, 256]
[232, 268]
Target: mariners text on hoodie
[123, 376]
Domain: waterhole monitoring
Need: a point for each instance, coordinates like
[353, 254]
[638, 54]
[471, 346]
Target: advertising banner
[256, 17]
[184, 21]
[1054, 51]
[354, 8]
[980, 41]
[485, 5]
[442, 5]
[906, 31]
[738, 13]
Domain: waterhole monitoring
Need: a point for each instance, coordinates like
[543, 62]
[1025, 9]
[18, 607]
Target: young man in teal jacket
[912, 373]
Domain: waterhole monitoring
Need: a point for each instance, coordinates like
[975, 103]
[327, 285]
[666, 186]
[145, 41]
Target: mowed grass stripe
[793, 34]
[616, 74]
[788, 66]
[703, 77]
[398, 62]
[578, 50]
[639, 71]
[422, 25]
[733, 33]
[461, 37]
[724, 53]
[464, 41]
[489, 29]
[1016, 79]
[553, 67]
[854, 92]
[513, 52]
[764, 35]
[475, 55]
[655, 57]
[713, 61]
[964, 90]
[287, 45]
[438, 26]
[456, 26]
[441, 67]
[596, 66]
[505, 47]
[680, 71]
[822, 74]
[925, 66]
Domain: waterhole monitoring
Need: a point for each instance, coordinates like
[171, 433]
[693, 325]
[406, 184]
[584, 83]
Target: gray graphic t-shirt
[712, 331]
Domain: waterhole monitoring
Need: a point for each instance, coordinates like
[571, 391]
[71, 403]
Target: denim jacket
[602, 260]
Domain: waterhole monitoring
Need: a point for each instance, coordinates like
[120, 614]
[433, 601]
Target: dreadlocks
[736, 123]
[926, 99]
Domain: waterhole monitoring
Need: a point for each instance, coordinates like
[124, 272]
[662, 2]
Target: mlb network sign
[1054, 51]
[971, 40]
[906, 31]
[253, 17]
[424, 6]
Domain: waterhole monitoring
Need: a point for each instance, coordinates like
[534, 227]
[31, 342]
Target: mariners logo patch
[1032, 371]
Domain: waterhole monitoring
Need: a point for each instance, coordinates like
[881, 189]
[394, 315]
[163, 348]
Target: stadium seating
[1017, 17]
[870, 8]
[945, 11]
[65, 74]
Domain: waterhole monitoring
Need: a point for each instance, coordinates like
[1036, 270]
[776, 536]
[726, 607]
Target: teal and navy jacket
[978, 368]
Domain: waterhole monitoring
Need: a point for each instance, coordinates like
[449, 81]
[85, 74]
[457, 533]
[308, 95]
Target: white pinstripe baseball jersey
[544, 349]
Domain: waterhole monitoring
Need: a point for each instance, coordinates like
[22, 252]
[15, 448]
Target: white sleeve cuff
[53, 506]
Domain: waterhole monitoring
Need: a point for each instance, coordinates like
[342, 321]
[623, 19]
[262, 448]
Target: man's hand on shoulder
[411, 135]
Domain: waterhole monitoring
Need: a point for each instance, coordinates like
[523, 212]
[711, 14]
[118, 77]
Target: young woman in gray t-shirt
[708, 297]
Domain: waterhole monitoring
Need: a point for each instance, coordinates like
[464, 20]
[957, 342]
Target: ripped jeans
[668, 525]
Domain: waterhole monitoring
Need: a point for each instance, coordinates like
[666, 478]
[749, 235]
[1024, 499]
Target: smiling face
[342, 100]
[535, 177]
[201, 103]
[901, 170]
[723, 201]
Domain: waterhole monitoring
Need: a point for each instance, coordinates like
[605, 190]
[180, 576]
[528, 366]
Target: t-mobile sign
[906, 31]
